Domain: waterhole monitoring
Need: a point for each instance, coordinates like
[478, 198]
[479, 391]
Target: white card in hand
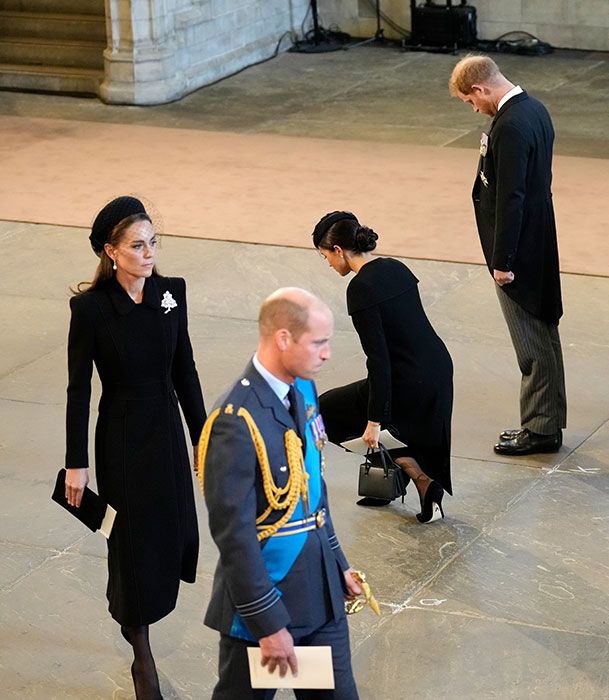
[106, 527]
[359, 447]
[314, 670]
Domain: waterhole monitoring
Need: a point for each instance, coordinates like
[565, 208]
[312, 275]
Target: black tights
[143, 669]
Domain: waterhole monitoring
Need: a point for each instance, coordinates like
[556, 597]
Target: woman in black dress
[409, 386]
[131, 323]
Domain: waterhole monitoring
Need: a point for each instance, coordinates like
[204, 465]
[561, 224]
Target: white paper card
[106, 527]
[314, 670]
[361, 448]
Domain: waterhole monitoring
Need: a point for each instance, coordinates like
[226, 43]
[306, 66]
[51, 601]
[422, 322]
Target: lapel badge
[484, 144]
[310, 411]
[245, 382]
[483, 178]
[168, 302]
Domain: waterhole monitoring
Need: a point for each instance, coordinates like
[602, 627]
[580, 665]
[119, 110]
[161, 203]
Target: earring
[114, 264]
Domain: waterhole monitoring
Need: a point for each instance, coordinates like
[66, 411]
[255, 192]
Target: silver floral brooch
[168, 302]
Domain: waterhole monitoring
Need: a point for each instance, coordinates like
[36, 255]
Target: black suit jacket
[311, 593]
[513, 205]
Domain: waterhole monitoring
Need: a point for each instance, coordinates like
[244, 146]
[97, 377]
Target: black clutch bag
[92, 510]
[380, 477]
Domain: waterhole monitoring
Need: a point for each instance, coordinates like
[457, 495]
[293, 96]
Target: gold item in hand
[356, 604]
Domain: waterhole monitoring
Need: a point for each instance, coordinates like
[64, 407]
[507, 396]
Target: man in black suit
[282, 577]
[515, 219]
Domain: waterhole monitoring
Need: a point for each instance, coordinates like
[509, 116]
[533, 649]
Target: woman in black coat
[131, 323]
[409, 386]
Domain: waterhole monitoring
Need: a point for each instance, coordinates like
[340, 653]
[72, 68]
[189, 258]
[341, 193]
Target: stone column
[140, 61]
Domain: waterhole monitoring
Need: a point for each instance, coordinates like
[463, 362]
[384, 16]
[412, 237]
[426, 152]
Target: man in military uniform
[282, 578]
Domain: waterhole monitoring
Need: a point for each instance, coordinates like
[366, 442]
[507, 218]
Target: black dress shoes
[525, 442]
[509, 434]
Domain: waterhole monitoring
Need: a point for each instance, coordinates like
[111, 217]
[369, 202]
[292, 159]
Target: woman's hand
[371, 434]
[76, 480]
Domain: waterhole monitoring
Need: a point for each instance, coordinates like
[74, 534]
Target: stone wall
[160, 50]
[573, 24]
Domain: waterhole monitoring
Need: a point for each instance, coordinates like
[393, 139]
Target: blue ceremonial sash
[280, 553]
[312, 457]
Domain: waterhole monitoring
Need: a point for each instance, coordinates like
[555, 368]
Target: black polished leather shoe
[527, 443]
[509, 434]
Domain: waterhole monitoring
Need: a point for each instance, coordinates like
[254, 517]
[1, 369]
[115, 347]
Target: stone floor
[374, 93]
[508, 597]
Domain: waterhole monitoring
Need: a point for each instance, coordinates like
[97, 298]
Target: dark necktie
[293, 408]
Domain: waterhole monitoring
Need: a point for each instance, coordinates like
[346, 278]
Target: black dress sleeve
[369, 326]
[81, 344]
[184, 373]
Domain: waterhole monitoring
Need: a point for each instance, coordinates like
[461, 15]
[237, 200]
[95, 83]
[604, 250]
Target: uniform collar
[123, 303]
[267, 395]
[279, 387]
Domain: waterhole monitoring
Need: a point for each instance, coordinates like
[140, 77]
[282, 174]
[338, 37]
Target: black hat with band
[111, 215]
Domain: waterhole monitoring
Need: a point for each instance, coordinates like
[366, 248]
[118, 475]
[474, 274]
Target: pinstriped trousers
[543, 402]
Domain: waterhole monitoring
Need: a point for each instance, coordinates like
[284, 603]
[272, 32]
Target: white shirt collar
[508, 96]
[277, 385]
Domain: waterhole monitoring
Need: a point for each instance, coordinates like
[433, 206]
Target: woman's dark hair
[342, 228]
[104, 270]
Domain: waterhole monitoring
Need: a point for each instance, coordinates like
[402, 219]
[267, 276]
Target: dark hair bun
[327, 222]
[365, 239]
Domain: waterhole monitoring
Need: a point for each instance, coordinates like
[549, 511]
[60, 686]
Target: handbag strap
[384, 455]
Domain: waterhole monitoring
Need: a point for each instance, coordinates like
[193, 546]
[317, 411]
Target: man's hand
[278, 650]
[502, 277]
[76, 480]
[353, 587]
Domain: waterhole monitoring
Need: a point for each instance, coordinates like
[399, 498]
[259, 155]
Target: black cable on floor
[518, 42]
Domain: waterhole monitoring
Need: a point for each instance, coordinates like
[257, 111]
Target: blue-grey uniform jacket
[250, 599]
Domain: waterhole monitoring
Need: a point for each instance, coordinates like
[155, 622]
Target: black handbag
[380, 477]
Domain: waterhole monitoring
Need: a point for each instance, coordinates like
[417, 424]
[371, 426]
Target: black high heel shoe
[134, 675]
[431, 504]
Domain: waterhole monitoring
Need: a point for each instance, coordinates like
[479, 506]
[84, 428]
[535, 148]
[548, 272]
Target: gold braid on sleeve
[284, 498]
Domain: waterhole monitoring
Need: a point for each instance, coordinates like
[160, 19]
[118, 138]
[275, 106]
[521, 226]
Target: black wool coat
[144, 359]
[410, 371]
[513, 205]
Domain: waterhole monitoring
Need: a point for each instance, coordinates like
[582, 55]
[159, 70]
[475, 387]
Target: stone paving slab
[592, 457]
[424, 653]
[543, 563]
